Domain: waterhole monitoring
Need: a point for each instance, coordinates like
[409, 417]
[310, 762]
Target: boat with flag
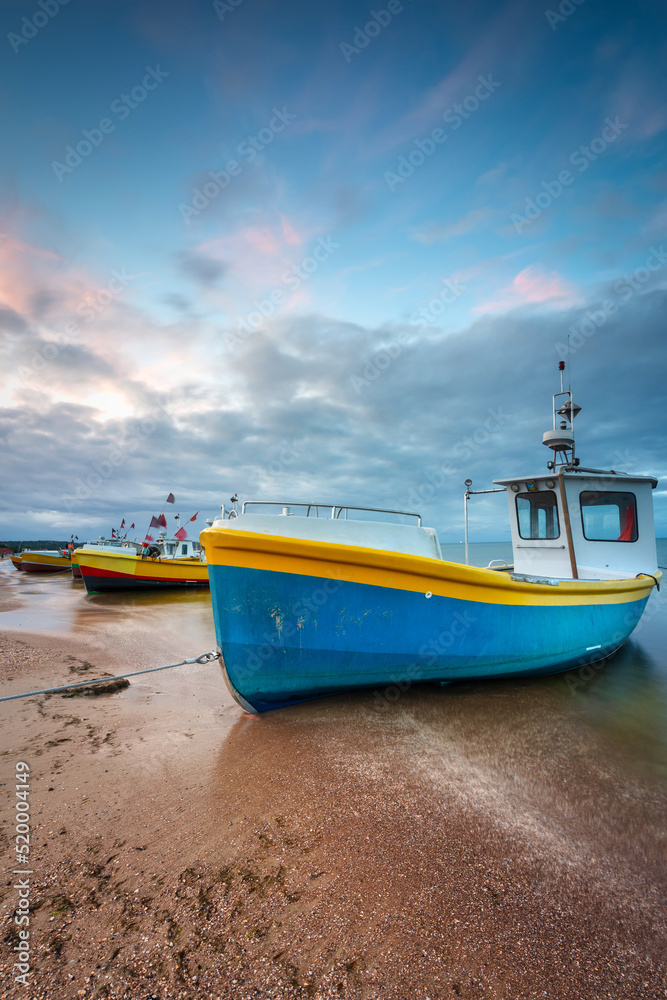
[156, 563]
[101, 544]
[312, 599]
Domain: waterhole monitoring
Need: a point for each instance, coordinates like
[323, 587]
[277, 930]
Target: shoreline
[183, 849]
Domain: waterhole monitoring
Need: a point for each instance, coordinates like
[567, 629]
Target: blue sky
[428, 194]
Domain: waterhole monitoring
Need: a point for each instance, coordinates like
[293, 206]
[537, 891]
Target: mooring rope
[204, 658]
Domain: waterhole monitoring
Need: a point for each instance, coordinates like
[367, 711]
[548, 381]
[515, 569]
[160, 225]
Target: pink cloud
[259, 256]
[289, 232]
[530, 287]
[26, 269]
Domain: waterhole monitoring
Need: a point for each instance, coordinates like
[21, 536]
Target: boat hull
[43, 562]
[104, 572]
[76, 569]
[297, 620]
[17, 561]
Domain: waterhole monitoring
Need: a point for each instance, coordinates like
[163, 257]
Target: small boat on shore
[331, 601]
[167, 562]
[45, 561]
[101, 544]
[17, 560]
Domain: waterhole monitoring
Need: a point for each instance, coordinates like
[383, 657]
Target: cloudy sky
[325, 251]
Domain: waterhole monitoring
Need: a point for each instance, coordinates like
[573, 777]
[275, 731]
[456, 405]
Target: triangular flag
[162, 520]
[131, 526]
[171, 498]
[149, 538]
[122, 524]
[155, 521]
[181, 534]
[194, 517]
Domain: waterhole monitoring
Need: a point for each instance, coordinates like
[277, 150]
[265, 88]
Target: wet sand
[474, 841]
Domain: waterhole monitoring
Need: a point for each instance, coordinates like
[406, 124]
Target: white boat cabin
[173, 548]
[610, 516]
[181, 550]
[578, 523]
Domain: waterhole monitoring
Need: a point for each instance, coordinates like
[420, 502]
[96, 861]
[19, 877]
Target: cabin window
[609, 516]
[184, 550]
[537, 514]
[170, 549]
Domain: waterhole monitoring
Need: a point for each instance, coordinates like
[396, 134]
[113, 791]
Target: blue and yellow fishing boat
[311, 600]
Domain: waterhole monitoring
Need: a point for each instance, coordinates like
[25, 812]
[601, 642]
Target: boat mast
[466, 496]
[561, 438]
[561, 442]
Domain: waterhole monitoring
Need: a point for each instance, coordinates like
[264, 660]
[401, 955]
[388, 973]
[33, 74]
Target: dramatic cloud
[311, 408]
[296, 271]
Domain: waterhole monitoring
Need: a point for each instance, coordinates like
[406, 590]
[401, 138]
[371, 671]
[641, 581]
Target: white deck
[405, 538]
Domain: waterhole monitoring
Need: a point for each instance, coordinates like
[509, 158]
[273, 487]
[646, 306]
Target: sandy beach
[475, 842]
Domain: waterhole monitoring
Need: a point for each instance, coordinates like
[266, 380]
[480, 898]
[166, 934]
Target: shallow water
[57, 604]
[622, 703]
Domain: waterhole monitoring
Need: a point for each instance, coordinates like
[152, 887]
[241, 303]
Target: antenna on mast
[561, 438]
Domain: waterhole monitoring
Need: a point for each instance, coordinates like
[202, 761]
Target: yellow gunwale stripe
[132, 565]
[45, 558]
[397, 571]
